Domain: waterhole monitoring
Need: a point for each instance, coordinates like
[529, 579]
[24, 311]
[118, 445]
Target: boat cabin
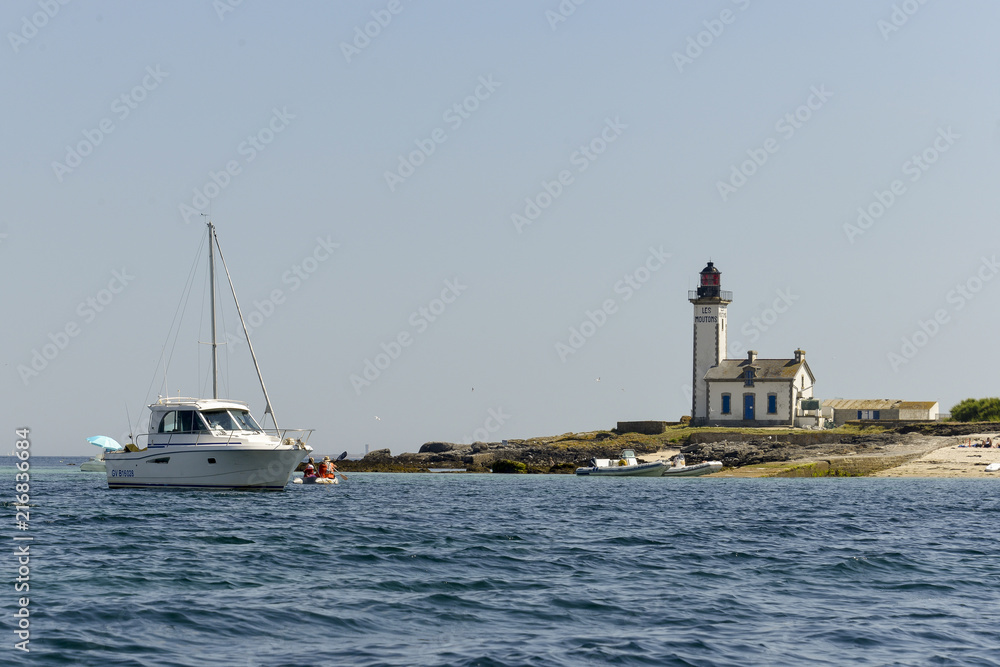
[192, 421]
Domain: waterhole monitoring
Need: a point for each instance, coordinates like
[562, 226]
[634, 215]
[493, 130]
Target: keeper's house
[758, 392]
[842, 410]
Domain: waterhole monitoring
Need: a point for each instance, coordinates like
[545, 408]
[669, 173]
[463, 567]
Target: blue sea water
[463, 569]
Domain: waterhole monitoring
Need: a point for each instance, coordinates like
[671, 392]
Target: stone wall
[646, 427]
[805, 438]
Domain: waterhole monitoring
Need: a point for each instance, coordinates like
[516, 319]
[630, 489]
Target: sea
[478, 569]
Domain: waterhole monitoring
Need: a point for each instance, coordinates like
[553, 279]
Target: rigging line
[187, 288]
[201, 324]
[187, 296]
[225, 337]
[267, 399]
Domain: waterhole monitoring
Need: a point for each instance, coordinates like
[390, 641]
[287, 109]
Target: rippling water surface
[513, 570]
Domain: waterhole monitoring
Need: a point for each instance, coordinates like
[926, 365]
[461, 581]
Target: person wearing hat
[327, 468]
[310, 470]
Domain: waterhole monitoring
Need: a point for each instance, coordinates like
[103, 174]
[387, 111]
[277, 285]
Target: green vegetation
[977, 410]
[508, 466]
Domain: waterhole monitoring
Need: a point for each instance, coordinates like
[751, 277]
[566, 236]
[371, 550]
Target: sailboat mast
[267, 399]
[211, 283]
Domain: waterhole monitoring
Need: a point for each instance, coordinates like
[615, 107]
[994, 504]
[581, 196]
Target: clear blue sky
[360, 178]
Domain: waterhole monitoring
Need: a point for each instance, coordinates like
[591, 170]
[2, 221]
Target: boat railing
[300, 434]
[283, 435]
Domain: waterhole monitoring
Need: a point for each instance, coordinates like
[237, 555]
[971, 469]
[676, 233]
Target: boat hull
[93, 465]
[696, 470]
[654, 469]
[205, 467]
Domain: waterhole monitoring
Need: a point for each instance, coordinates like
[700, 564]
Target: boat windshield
[221, 419]
[230, 420]
[246, 419]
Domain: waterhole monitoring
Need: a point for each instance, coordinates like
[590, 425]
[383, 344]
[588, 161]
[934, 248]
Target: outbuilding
[842, 410]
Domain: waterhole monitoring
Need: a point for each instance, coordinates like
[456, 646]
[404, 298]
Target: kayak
[315, 480]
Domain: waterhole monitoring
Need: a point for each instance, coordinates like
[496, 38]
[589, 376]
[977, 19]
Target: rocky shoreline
[851, 450]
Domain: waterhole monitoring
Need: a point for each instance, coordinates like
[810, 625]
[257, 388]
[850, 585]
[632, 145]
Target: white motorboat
[677, 468]
[209, 443]
[96, 463]
[626, 465]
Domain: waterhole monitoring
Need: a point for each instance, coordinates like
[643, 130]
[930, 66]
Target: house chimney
[800, 355]
[752, 356]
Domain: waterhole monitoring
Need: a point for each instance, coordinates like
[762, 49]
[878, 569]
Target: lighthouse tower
[709, 335]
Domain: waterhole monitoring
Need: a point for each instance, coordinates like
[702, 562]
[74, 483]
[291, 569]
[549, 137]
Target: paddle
[341, 458]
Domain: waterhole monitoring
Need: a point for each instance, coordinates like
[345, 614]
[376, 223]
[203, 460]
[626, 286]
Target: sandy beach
[935, 456]
[952, 460]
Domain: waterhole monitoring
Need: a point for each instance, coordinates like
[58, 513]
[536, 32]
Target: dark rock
[480, 459]
[437, 447]
[448, 457]
[409, 457]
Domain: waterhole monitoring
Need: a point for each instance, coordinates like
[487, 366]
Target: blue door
[748, 406]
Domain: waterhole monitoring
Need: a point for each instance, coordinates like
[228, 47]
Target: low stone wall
[645, 428]
[804, 438]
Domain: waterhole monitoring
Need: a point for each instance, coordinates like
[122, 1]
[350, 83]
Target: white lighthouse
[710, 304]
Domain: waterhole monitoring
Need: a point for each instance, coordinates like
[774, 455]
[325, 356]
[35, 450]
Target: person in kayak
[328, 468]
[310, 470]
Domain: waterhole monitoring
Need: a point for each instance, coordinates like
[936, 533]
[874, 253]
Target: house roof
[862, 403]
[917, 405]
[765, 369]
[877, 404]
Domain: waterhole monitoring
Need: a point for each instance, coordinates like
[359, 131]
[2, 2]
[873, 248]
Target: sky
[470, 220]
